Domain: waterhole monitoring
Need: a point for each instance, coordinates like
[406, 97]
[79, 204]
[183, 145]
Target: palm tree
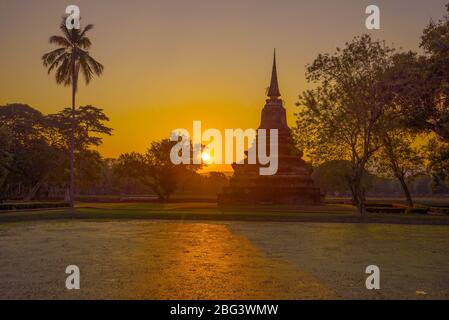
[71, 57]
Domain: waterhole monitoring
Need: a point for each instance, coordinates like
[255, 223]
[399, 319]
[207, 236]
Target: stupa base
[262, 196]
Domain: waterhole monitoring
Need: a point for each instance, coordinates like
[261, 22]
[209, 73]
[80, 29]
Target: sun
[205, 156]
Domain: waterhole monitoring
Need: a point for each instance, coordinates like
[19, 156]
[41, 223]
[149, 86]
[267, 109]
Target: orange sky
[171, 62]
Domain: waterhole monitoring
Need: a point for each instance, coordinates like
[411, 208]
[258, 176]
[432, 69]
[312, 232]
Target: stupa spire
[274, 92]
[291, 184]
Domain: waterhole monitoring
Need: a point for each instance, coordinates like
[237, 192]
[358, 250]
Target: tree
[435, 42]
[419, 93]
[343, 113]
[335, 176]
[5, 154]
[420, 84]
[89, 126]
[155, 169]
[32, 158]
[24, 122]
[37, 147]
[397, 158]
[211, 183]
[88, 167]
[438, 157]
[71, 57]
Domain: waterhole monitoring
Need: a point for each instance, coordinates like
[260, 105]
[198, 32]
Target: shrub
[31, 205]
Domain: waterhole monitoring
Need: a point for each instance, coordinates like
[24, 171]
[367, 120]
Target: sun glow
[205, 156]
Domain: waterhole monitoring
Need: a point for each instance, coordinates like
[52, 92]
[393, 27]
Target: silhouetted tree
[24, 122]
[398, 158]
[37, 148]
[336, 176]
[341, 116]
[155, 169]
[32, 158]
[420, 84]
[89, 126]
[210, 183]
[71, 57]
[438, 158]
[435, 42]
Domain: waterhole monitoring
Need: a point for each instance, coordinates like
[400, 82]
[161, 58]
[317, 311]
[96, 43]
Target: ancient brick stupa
[292, 184]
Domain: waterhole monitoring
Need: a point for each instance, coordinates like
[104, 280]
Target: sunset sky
[169, 62]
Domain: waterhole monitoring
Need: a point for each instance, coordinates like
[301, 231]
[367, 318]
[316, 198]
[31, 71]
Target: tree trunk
[407, 194]
[32, 193]
[359, 193]
[72, 143]
[360, 202]
[350, 185]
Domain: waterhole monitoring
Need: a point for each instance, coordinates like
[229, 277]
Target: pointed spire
[274, 92]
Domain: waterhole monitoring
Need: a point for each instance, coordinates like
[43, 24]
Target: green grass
[31, 205]
[340, 213]
[427, 201]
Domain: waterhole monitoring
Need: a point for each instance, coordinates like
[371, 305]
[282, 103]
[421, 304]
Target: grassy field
[195, 250]
[156, 259]
[211, 212]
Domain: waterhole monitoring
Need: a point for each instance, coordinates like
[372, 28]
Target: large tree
[71, 57]
[90, 126]
[24, 122]
[438, 162]
[340, 117]
[32, 158]
[420, 84]
[421, 92]
[154, 169]
[435, 42]
[37, 146]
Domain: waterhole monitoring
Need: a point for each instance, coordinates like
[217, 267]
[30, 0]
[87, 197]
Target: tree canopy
[155, 169]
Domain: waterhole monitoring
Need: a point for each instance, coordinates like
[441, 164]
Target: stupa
[292, 184]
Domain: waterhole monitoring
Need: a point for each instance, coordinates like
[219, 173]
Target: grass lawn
[157, 259]
[187, 250]
[210, 211]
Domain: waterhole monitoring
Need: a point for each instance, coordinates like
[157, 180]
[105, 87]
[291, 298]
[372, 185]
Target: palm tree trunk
[72, 143]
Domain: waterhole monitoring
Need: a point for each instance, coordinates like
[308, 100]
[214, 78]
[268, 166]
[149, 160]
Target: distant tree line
[376, 111]
[34, 159]
[34, 164]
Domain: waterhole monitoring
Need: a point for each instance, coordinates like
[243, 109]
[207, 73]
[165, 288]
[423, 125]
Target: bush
[439, 210]
[385, 210]
[397, 209]
[35, 205]
[379, 205]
